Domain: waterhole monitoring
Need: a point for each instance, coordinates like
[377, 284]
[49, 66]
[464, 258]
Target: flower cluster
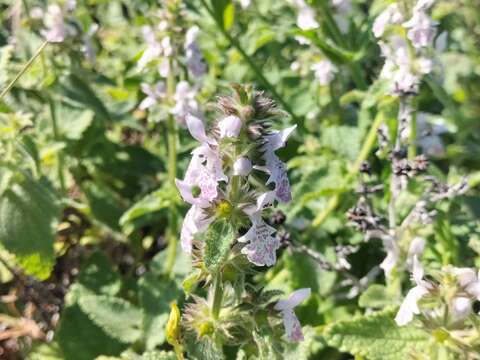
[167, 44]
[406, 58]
[453, 292]
[234, 178]
[237, 145]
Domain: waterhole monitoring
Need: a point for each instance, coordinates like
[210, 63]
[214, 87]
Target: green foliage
[376, 337]
[118, 318]
[29, 212]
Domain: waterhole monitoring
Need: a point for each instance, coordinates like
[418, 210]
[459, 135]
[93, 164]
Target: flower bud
[242, 166]
[173, 326]
[230, 126]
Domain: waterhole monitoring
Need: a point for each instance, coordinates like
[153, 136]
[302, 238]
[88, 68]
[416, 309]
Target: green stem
[56, 136]
[412, 138]
[234, 42]
[24, 69]
[172, 135]
[362, 156]
[217, 295]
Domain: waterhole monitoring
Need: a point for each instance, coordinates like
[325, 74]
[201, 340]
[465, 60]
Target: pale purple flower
[242, 166]
[461, 307]
[196, 221]
[230, 126]
[274, 166]
[293, 328]
[306, 16]
[390, 16]
[262, 244]
[421, 29]
[154, 95]
[55, 29]
[154, 48]
[185, 102]
[195, 64]
[423, 5]
[324, 71]
[409, 306]
[197, 129]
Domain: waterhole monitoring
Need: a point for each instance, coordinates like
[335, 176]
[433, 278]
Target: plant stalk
[23, 70]
[172, 135]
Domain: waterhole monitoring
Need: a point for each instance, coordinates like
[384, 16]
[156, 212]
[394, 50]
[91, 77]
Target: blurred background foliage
[84, 197]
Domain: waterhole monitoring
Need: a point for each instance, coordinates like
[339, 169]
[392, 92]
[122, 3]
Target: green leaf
[117, 317]
[334, 52]
[80, 339]
[163, 198]
[73, 122]
[79, 93]
[376, 337]
[29, 211]
[375, 296]
[218, 238]
[156, 294]
[98, 276]
[105, 205]
[224, 12]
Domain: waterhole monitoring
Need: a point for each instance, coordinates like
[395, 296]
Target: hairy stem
[217, 295]
[23, 70]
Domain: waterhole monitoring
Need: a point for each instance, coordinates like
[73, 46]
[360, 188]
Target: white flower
[324, 71]
[409, 305]
[54, 23]
[390, 16]
[154, 94]
[292, 325]
[416, 249]
[393, 254]
[185, 102]
[461, 307]
[230, 126]
[242, 166]
[245, 3]
[306, 16]
[421, 29]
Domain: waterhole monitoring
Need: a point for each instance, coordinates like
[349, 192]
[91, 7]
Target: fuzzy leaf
[156, 294]
[376, 337]
[218, 238]
[117, 317]
[28, 215]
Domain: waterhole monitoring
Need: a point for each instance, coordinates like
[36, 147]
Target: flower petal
[197, 129]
